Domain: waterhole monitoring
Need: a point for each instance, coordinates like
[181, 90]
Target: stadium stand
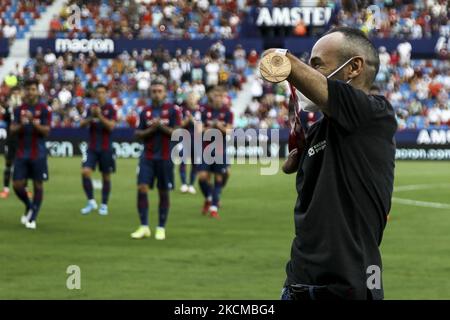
[17, 17]
[402, 19]
[68, 80]
[221, 19]
[151, 19]
[418, 88]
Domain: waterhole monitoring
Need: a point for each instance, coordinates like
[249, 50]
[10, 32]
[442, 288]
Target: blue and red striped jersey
[99, 135]
[31, 144]
[159, 145]
[186, 112]
[210, 114]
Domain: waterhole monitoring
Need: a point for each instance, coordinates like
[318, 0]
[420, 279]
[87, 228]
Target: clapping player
[100, 119]
[215, 115]
[31, 124]
[191, 116]
[156, 124]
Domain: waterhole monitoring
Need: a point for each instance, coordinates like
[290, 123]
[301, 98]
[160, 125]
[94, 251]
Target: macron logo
[84, 45]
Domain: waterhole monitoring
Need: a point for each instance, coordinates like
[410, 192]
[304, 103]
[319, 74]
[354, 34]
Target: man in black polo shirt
[345, 172]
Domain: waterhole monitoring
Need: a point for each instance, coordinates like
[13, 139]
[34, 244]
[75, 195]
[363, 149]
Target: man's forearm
[15, 128]
[166, 129]
[42, 130]
[223, 127]
[109, 124]
[85, 122]
[185, 123]
[308, 81]
[142, 134]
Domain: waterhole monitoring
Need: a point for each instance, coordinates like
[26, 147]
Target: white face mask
[309, 106]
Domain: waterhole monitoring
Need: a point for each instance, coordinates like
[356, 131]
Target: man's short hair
[100, 86]
[217, 88]
[160, 80]
[31, 82]
[359, 44]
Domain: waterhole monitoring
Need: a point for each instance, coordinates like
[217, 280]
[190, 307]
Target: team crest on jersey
[148, 114]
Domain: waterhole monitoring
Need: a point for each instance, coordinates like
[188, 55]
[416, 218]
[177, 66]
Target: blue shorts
[36, 170]
[161, 170]
[191, 157]
[105, 160]
[219, 168]
[214, 168]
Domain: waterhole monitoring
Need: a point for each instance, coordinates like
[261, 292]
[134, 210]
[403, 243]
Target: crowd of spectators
[222, 19]
[68, 81]
[419, 90]
[406, 19]
[16, 17]
[267, 108]
[168, 19]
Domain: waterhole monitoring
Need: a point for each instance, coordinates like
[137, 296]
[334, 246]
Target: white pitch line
[420, 187]
[426, 204]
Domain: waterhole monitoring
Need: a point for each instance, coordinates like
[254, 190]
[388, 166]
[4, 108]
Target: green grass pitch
[240, 257]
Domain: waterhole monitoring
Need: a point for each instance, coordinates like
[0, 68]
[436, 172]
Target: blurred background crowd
[418, 89]
[221, 19]
[153, 19]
